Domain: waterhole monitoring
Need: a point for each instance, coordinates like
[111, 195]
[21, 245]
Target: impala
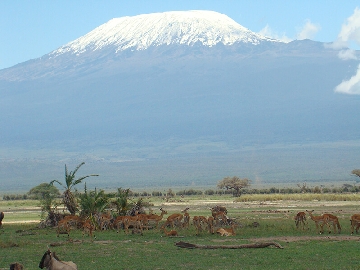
[334, 220]
[186, 222]
[174, 220]
[355, 221]
[132, 221]
[156, 218]
[211, 224]
[319, 221]
[118, 222]
[73, 221]
[300, 218]
[219, 216]
[227, 232]
[63, 227]
[169, 233]
[88, 228]
[199, 222]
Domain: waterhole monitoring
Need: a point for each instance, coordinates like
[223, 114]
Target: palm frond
[55, 181]
[78, 167]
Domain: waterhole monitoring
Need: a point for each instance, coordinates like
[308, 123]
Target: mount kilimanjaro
[179, 98]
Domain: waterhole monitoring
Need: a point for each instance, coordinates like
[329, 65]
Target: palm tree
[69, 199]
[93, 202]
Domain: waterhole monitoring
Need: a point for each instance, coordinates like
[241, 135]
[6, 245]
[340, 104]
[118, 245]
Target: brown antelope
[118, 222]
[144, 221]
[73, 221]
[169, 233]
[63, 227]
[157, 218]
[174, 220]
[199, 222]
[88, 228]
[300, 218]
[186, 222]
[335, 222]
[132, 221]
[355, 222]
[319, 221]
[219, 217]
[211, 224]
[227, 232]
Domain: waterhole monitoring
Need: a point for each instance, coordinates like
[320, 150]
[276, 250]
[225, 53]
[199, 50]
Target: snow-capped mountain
[177, 27]
[192, 85]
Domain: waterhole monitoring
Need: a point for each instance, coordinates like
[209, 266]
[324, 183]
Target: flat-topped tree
[69, 199]
[235, 183]
[356, 172]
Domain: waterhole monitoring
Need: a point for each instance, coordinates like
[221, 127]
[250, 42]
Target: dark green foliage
[92, 202]
[189, 192]
[43, 190]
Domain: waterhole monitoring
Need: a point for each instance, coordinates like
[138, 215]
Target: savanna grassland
[22, 241]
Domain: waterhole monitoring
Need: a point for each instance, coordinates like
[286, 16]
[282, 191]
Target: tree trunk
[255, 245]
[70, 201]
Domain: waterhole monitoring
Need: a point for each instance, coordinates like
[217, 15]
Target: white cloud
[268, 32]
[308, 31]
[351, 86]
[347, 54]
[350, 31]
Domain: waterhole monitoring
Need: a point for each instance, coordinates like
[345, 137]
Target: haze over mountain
[179, 98]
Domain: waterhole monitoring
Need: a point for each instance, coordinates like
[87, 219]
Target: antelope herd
[218, 222]
[141, 221]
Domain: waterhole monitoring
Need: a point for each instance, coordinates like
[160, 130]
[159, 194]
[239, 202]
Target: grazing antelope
[355, 222]
[334, 220]
[300, 218]
[319, 221]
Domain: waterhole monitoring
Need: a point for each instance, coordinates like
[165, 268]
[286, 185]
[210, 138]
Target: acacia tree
[69, 199]
[356, 172]
[235, 183]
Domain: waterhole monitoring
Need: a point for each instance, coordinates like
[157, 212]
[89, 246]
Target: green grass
[26, 244]
[151, 251]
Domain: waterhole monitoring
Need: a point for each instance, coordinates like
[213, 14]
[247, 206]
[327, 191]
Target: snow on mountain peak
[175, 27]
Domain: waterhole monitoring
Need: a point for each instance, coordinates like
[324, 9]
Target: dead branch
[254, 245]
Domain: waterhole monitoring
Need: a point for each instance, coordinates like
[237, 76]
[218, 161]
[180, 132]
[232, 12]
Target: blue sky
[30, 29]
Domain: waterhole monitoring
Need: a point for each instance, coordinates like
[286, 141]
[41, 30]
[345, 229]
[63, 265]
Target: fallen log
[182, 244]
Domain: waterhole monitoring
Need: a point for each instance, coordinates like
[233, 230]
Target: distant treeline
[346, 188]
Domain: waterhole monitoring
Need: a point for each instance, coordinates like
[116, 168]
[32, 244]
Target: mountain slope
[123, 92]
